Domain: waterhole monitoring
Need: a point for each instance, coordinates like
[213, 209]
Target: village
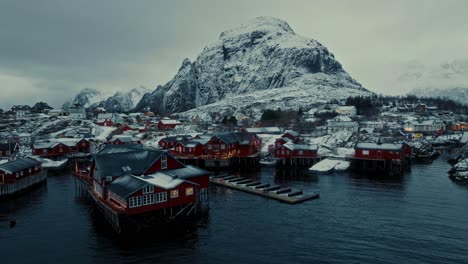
[139, 164]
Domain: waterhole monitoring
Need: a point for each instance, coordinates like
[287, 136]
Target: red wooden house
[61, 147]
[8, 149]
[292, 135]
[133, 180]
[382, 151]
[170, 142]
[168, 124]
[18, 175]
[249, 144]
[188, 149]
[222, 145]
[281, 141]
[290, 151]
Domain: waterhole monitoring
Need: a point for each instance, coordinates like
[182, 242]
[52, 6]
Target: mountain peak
[263, 24]
[249, 61]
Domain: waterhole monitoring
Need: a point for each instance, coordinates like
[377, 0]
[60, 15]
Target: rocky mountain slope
[457, 94]
[118, 102]
[261, 64]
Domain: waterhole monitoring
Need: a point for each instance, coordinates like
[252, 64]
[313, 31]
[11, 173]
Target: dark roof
[19, 165]
[120, 148]
[227, 137]
[377, 146]
[126, 185]
[134, 162]
[177, 138]
[186, 173]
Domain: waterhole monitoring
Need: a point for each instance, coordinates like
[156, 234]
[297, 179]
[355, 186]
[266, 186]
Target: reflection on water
[417, 218]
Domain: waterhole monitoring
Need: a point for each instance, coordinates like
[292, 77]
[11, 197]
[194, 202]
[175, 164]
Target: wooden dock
[276, 192]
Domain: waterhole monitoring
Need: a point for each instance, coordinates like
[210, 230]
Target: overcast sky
[49, 50]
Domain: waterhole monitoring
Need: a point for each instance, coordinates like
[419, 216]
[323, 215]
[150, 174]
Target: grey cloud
[52, 49]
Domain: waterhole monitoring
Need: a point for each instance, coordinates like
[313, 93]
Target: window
[282, 152]
[134, 201]
[148, 199]
[109, 178]
[148, 189]
[83, 144]
[164, 162]
[365, 152]
[216, 147]
[17, 175]
[21, 173]
[223, 146]
[29, 170]
[301, 152]
[174, 193]
[189, 191]
[60, 149]
[44, 151]
[210, 146]
[160, 197]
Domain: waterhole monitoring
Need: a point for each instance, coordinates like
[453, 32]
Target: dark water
[419, 218]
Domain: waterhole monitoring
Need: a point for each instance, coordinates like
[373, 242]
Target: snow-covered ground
[267, 140]
[102, 132]
[327, 165]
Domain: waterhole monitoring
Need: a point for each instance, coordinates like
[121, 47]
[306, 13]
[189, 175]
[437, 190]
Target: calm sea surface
[419, 218]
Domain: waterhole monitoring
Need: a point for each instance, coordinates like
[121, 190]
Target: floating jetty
[276, 192]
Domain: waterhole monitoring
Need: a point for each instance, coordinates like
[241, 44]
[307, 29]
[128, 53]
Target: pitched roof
[130, 162]
[186, 173]
[377, 146]
[108, 149]
[301, 146]
[18, 165]
[126, 185]
[124, 139]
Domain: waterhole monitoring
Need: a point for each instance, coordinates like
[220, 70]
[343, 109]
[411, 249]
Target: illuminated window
[365, 152]
[174, 193]
[189, 191]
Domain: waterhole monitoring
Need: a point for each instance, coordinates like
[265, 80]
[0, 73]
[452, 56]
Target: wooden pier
[276, 192]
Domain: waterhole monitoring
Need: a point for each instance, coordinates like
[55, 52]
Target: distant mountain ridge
[118, 102]
[257, 65]
[458, 94]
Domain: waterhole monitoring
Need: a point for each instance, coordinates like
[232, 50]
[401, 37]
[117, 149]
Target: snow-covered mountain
[260, 64]
[118, 102]
[457, 94]
[124, 101]
[448, 79]
[87, 97]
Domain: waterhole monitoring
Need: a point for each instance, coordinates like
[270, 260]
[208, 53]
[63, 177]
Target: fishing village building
[130, 181]
[388, 158]
[61, 147]
[291, 154]
[215, 150]
[19, 175]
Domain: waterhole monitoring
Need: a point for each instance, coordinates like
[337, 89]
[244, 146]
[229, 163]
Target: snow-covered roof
[263, 130]
[292, 146]
[383, 146]
[170, 122]
[162, 180]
